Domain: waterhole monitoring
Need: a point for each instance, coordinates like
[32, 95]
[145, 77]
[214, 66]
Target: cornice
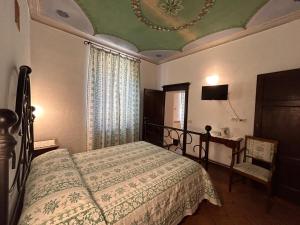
[36, 16]
[239, 35]
[34, 7]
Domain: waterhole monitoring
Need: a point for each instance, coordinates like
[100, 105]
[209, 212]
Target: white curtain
[113, 99]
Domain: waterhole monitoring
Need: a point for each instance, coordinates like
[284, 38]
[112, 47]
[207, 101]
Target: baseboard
[218, 164]
[209, 161]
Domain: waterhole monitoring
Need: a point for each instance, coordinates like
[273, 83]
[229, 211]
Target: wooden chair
[263, 152]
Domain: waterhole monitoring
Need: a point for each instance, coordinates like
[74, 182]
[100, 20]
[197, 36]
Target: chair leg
[230, 180]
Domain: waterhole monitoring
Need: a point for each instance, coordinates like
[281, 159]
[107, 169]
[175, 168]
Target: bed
[130, 184]
[136, 183]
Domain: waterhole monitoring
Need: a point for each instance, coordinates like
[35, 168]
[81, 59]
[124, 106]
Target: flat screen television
[217, 92]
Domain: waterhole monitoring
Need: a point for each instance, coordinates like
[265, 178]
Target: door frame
[181, 87]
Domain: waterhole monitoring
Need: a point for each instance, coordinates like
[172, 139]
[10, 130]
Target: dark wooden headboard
[16, 146]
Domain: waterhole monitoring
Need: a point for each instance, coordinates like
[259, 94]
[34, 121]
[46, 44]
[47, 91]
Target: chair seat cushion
[253, 170]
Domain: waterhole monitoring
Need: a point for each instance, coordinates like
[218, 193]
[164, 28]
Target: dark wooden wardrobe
[277, 116]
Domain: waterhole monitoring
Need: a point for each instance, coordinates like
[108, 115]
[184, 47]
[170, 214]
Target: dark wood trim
[258, 108]
[176, 87]
[181, 87]
[271, 74]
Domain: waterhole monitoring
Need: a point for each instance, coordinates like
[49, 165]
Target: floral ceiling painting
[160, 30]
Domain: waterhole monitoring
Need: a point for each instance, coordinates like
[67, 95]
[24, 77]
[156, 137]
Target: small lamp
[38, 112]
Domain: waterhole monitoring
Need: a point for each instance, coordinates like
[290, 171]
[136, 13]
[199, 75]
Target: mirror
[174, 109]
[175, 116]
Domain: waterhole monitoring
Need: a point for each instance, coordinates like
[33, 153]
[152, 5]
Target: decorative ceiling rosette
[171, 7]
[170, 15]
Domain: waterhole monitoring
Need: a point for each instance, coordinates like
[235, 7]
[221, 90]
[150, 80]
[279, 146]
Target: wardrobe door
[154, 107]
[277, 116]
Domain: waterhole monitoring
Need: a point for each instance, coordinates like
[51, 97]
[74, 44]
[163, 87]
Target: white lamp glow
[212, 80]
[39, 111]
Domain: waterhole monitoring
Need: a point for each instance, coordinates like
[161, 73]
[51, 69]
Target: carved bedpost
[208, 129]
[7, 149]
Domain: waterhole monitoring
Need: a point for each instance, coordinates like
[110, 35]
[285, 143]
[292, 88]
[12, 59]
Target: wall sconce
[212, 80]
[38, 112]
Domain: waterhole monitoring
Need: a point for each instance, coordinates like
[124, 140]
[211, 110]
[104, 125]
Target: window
[113, 99]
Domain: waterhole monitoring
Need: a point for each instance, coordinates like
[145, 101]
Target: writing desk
[233, 143]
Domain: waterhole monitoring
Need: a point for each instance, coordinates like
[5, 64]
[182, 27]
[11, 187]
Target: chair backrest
[261, 149]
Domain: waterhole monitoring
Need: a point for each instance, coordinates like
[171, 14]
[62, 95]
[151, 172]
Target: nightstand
[41, 147]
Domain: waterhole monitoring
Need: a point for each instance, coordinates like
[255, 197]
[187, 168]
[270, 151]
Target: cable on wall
[237, 118]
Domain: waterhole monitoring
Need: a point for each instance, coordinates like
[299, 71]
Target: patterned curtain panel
[113, 99]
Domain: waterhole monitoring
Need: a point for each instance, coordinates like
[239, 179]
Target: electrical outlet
[238, 120]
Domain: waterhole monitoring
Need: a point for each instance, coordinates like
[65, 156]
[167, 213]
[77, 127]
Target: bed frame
[16, 147]
[180, 138]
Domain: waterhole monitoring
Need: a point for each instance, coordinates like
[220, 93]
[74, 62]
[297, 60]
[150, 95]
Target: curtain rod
[105, 48]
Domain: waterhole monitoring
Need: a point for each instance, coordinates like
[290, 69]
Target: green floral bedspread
[55, 194]
[140, 183]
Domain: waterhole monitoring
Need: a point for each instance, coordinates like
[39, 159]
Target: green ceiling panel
[117, 18]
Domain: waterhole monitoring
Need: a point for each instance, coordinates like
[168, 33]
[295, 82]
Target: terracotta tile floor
[245, 205]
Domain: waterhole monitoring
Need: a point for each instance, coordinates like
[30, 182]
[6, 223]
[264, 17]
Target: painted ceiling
[159, 29]
[118, 18]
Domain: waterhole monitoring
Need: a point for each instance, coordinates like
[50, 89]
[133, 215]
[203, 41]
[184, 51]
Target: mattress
[140, 183]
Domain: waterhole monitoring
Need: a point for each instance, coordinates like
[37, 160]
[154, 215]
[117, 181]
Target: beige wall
[14, 49]
[58, 86]
[149, 75]
[59, 65]
[169, 109]
[237, 64]
[149, 80]
[59, 62]
[172, 109]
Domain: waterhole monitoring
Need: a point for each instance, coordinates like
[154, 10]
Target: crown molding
[34, 6]
[236, 36]
[36, 16]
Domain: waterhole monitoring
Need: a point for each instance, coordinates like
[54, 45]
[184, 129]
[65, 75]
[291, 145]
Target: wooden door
[154, 108]
[277, 116]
